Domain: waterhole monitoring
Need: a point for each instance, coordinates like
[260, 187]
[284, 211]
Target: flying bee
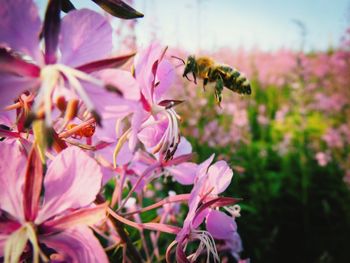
[224, 76]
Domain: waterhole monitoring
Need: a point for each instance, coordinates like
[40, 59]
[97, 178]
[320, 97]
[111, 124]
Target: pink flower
[61, 217]
[210, 181]
[154, 122]
[333, 138]
[322, 158]
[82, 38]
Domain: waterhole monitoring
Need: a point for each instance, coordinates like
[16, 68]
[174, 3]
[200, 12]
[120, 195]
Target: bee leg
[205, 82]
[219, 86]
[206, 79]
[194, 78]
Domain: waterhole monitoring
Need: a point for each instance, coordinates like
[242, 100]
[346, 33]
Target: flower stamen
[206, 242]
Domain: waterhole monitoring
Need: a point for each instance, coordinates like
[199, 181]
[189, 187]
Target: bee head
[190, 67]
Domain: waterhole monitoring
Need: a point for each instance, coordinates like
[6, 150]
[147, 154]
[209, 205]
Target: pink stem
[150, 226]
[170, 199]
[145, 173]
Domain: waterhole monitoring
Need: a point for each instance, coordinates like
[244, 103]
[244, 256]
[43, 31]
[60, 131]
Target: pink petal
[107, 132]
[85, 36]
[144, 62]
[203, 167]
[151, 135]
[76, 245]
[136, 122]
[8, 225]
[166, 76]
[20, 26]
[183, 148]
[198, 219]
[219, 176]
[73, 180]
[143, 69]
[235, 246]
[184, 173]
[12, 171]
[11, 63]
[118, 110]
[124, 156]
[85, 216]
[108, 104]
[123, 81]
[13, 86]
[220, 225]
[193, 204]
[108, 174]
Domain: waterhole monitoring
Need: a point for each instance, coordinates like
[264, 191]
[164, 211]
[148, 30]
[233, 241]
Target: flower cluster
[85, 141]
[294, 92]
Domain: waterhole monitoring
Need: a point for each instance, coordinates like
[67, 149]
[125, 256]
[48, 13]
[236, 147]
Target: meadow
[118, 152]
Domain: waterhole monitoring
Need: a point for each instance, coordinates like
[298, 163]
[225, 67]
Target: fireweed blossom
[154, 121]
[73, 48]
[210, 181]
[56, 224]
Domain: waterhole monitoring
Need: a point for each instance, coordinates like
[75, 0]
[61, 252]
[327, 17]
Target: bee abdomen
[238, 83]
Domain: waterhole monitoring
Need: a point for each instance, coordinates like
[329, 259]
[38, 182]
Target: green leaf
[118, 8]
[67, 6]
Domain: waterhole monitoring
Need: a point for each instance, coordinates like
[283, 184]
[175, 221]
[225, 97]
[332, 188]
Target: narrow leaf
[51, 30]
[67, 6]
[118, 8]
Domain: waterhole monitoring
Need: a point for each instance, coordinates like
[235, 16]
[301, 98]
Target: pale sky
[211, 24]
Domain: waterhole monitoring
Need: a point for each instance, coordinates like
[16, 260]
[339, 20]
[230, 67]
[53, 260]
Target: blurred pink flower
[329, 103]
[240, 119]
[262, 117]
[60, 220]
[322, 158]
[333, 138]
[281, 113]
[83, 37]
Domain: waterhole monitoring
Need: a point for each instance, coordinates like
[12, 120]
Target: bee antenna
[183, 61]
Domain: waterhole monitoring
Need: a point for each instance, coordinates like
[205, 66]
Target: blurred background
[289, 142]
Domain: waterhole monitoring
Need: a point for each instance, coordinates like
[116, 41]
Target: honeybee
[224, 76]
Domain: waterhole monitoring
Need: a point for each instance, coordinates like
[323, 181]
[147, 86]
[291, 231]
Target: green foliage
[293, 210]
